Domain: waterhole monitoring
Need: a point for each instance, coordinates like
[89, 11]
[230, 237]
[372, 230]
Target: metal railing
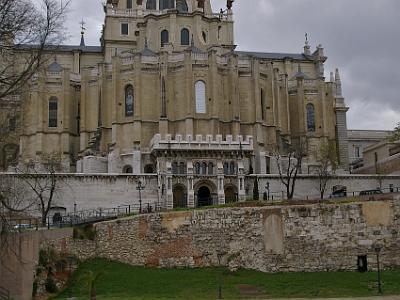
[101, 214]
[280, 196]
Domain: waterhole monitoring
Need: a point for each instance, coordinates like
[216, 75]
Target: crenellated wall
[319, 237]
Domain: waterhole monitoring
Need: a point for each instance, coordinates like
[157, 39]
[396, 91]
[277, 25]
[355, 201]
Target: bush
[50, 285]
[34, 288]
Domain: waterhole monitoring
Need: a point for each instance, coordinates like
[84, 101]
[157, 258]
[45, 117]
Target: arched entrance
[230, 194]
[179, 192]
[204, 197]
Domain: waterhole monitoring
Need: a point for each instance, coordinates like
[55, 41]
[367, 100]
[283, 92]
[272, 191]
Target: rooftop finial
[307, 48]
[82, 23]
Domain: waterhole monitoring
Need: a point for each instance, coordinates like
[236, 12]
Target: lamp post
[378, 249]
[140, 188]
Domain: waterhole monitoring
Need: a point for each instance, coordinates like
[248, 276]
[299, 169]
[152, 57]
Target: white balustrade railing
[200, 56]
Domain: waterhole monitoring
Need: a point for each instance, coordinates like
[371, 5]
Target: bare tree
[27, 30]
[327, 163]
[41, 179]
[290, 167]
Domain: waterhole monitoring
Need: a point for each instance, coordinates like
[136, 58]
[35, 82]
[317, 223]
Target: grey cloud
[361, 37]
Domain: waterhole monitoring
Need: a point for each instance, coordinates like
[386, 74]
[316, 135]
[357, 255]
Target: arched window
[182, 6]
[129, 101]
[204, 168]
[53, 112]
[127, 169]
[129, 4]
[226, 168]
[200, 89]
[310, 118]
[197, 168]
[163, 99]
[232, 168]
[210, 168]
[185, 37]
[182, 168]
[151, 4]
[174, 167]
[167, 4]
[164, 37]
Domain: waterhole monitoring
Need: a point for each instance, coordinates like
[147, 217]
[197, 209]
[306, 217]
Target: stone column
[221, 191]
[137, 162]
[241, 189]
[170, 195]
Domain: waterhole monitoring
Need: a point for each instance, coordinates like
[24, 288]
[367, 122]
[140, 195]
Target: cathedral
[167, 94]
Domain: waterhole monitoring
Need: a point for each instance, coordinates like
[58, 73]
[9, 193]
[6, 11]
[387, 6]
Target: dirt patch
[251, 291]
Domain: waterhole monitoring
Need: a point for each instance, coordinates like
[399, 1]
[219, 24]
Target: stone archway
[180, 195]
[204, 196]
[230, 193]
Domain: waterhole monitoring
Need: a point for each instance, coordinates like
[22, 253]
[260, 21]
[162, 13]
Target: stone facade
[171, 73]
[320, 237]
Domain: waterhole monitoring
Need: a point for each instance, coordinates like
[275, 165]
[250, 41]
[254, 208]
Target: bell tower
[166, 25]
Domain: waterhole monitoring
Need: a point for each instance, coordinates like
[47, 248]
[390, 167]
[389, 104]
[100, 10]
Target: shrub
[50, 285]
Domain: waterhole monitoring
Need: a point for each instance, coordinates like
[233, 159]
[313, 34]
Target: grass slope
[123, 282]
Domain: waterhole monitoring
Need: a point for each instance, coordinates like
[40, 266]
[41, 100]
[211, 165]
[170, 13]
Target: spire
[338, 83]
[307, 48]
[82, 33]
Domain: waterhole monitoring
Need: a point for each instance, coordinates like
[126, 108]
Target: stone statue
[229, 4]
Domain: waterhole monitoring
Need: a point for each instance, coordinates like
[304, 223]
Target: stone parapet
[199, 143]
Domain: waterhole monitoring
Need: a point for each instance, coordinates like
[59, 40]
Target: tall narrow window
[200, 88]
[175, 168]
[226, 168]
[185, 38]
[263, 104]
[204, 168]
[163, 99]
[151, 4]
[53, 112]
[12, 124]
[181, 6]
[232, 168]
[197, 168]
[129, 4]
[310, 118]
[182, 168]
[129, 101]
[164, 37]
[124, 29]
[210, 168]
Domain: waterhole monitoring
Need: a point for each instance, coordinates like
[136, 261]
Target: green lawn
[124, 282]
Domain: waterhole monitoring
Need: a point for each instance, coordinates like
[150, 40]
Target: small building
[360, 140]
[381, 158]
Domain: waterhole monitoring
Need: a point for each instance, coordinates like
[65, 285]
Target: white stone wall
[113, 190]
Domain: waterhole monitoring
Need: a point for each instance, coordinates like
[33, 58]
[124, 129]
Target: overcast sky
[360, 37]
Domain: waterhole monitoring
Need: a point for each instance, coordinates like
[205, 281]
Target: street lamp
[377, 249]
[140, 188]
